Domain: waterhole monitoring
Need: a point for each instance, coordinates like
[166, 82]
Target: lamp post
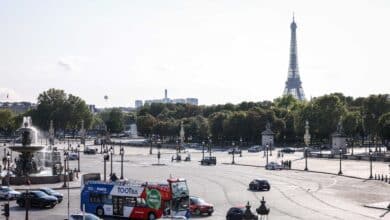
[111, 159]
[202, 150]
[151, 145]
[8, 180]
[122, 152]
[78, 158]
[65, 167]
[240, 146]
[210, 144]
[105, 158]
[266, 148]
[340, 172]
[305, 152]
[233, 152]
[370, 153]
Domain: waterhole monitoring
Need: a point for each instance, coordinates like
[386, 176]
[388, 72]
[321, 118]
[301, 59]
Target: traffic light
[5, 210]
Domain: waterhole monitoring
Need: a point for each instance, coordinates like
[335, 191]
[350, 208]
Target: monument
[339, 140]
[293, 84]
[51, 133]
[267, 136]
[82, 133]
[182, 133]
[306, 136]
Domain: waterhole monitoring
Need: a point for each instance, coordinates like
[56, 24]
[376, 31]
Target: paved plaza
[294, 194]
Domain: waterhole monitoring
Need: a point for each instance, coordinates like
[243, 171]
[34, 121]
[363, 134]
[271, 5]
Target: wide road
[293, 194]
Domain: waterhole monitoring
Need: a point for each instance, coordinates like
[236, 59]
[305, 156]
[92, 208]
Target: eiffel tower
[293, 83]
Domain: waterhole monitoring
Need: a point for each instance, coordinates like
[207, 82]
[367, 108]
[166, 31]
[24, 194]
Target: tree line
[367, 117]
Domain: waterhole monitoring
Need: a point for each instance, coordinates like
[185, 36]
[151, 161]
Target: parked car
[8, 193]
[209, 160]
[54, 193]
[236, 150]
[73, 156]
[273, 166]
[254, 149]
[288, 150]
[259, 184]
[199, 207]
[235, 213]
[85, 216]
[37, 199]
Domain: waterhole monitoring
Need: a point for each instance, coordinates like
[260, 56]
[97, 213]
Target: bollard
[382, 178]
[375, 177]
[386, 179]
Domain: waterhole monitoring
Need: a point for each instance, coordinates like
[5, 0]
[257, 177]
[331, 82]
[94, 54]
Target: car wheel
[151, 216]
[52, 205]
[197, 212]
[100, 212]
[209, 213]
[268, 188]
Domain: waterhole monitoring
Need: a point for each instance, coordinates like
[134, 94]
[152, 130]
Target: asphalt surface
[293, 195]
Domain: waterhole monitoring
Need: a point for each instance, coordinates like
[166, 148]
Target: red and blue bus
[135, 200]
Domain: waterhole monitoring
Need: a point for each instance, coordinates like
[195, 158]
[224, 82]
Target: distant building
[92, 109]
[192, 101]
[138, 103]
[17, 107]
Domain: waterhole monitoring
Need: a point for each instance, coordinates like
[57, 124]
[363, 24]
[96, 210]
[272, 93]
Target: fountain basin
[26, 149]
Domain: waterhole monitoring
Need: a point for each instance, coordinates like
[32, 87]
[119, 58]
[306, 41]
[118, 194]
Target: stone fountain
[25, 165]
[33, 158]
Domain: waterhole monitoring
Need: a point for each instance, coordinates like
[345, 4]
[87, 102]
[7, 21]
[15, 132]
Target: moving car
[235, 213]
[273, 166]
[236, 150]
[287, 150]
[254, 149]
[207, 160]
[52, 192]
[199, 207]
[259, 184]
[73, 156]
[37, 199]
[85, 216]
[8, 193]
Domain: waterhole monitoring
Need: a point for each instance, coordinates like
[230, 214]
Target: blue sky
[216, 50]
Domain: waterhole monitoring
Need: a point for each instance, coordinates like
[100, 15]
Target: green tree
[145, 124]
[384, 126]
[114, 120]
[7, 125]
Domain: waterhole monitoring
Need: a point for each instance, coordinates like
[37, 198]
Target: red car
[199, 207]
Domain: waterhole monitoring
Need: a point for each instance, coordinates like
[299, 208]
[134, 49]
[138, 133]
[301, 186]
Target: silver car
[8, 193]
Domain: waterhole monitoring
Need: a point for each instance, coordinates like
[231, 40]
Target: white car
[273, 166]
[8, 193]
[85, 216]
[73, 156]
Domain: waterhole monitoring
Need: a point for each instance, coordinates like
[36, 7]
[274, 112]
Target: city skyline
[237, 51]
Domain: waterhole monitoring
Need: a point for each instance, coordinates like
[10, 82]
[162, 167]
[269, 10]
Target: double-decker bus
[135, 199]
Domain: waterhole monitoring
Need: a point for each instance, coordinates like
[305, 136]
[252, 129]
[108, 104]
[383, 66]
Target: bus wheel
[99, 211]
[151, 216]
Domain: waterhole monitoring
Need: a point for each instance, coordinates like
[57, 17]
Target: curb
[311, 171]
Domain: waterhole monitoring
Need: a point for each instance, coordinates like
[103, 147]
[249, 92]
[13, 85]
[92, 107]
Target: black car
[209, 161]
[37, 199]
[258, 184]
[287, 150]
[51, 192]
[235, 213]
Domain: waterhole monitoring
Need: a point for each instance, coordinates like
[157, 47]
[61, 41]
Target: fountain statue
[25, 165]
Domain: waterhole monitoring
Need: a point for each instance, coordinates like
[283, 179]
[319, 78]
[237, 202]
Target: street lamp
[240, 146]
[151, 145]
[210, 144]
[8, 162]
[121, 152]
[233, 151]
[111, 153]
[65, 167]
[370, 153]
[105, 158]
[78, 158]
[266, 148]
[341, 151]
[202, 150]
[306, 159]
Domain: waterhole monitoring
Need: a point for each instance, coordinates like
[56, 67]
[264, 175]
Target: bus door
[118, 203]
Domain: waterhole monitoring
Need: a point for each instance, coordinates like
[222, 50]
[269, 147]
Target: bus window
[107, 199]
[141, 202]
[95, 198]
[131, 201]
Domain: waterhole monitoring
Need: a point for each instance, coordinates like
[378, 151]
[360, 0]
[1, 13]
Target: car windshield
[6, 189]
[199, 201]
[40, 194]
[48, 190]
